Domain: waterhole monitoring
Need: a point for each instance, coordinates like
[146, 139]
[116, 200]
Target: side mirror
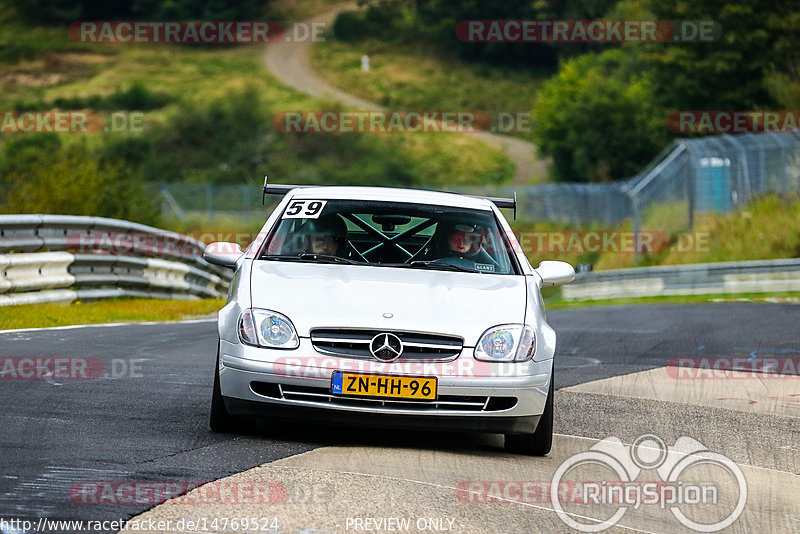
[223, 254]
[555, 273]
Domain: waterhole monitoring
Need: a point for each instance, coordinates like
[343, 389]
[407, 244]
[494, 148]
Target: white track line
[105, 325]
[442, 486]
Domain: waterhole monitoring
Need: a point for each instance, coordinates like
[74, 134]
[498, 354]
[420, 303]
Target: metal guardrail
[37, 265]
[62, 258]
[699, 279]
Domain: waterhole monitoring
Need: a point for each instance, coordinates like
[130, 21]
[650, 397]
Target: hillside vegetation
[206, 117]
[599, 108]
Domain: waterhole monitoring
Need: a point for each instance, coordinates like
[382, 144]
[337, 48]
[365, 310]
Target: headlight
[265, 328]
[506, 343]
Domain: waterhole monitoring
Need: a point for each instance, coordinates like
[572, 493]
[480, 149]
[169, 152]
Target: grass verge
[767, 228]
[413, 77]
[108, 311]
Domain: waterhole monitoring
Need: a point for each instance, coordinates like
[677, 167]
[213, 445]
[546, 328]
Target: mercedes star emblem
[386, 347]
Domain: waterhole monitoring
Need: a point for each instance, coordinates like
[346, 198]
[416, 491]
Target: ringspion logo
[691, 477]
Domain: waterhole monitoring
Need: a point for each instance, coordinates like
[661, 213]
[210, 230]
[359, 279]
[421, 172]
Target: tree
[598, 119]
[66, 11]
[73, 181]
[757, 37]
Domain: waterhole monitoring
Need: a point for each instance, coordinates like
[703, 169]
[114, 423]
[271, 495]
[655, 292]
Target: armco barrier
[699, 279]
[28, 272]
[43, 258]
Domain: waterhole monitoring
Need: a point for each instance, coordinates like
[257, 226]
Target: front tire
[219, 419]
[540, 441]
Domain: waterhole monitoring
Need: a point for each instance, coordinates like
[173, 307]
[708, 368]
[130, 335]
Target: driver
[326, 235]
[461, 244]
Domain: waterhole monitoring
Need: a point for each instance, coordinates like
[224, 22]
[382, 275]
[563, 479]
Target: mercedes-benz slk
[390, 308]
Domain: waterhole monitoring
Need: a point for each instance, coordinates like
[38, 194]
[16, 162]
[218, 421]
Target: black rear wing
[282, 189]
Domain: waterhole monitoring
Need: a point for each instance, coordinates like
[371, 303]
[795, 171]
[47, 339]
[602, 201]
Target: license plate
[385, 386]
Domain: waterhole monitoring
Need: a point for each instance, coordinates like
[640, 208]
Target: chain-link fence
[715, 174]
[181, 200]
[690, 176]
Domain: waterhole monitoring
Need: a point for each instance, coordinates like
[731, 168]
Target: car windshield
[415, 236]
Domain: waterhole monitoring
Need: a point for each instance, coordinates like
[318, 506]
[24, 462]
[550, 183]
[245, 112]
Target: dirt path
[290, 63]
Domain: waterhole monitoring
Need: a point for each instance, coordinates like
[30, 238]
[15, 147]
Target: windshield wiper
[442, 266]
[328, 258]
[308, 256]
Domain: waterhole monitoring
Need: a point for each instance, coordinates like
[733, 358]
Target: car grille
[354, 343]
[459, 403]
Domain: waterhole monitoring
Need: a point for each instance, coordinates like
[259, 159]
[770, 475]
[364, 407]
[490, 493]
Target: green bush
[66, 11]
[754, 40]
[598, 119]
[224, 142]
[434, 22]
[20, 152]
[72, 181]
[137, 97]
[349, 27]
[386, 20]
[232, 140]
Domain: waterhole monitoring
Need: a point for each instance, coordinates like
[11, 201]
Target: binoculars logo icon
[678, 467]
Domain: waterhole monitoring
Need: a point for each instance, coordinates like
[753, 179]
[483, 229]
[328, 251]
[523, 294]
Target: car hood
[445, 302]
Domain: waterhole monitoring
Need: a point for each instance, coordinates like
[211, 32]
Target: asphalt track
[145, 422]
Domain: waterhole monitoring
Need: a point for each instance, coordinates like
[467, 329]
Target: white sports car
[389, 308]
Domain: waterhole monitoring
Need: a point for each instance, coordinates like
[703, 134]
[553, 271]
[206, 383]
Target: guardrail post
[691, 182]
[637, 227]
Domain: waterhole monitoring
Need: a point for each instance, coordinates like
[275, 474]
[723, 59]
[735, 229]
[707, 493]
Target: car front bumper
[472, 395]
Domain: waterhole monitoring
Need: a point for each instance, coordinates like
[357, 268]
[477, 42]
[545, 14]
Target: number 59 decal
[304, 209]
